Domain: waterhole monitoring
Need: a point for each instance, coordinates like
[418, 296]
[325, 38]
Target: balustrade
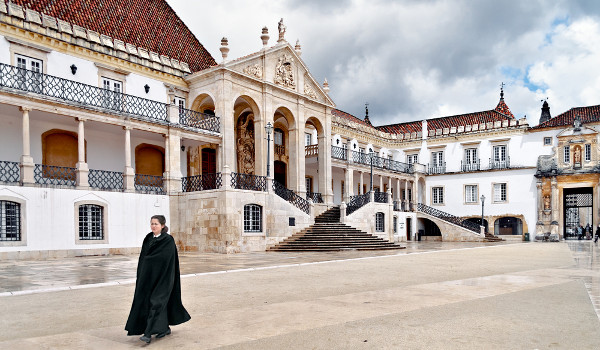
[149, 184]
[201, 182]
[105, 180]
[54, 175]
[357, 202]
[248, 182]
[291, 197]
[9, 172]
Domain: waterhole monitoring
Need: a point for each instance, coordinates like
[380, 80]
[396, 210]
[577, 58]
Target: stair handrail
[291, 197]
[448, 217]
[357, 202]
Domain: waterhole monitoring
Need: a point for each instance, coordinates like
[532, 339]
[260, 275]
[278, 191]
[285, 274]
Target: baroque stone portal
[245, 144]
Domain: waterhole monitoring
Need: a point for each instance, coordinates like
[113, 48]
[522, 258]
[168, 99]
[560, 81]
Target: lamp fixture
[147, 88]
[73, 69]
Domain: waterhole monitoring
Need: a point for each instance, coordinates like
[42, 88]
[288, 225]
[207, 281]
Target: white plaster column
[348, 177]
[361, 183]
[380, 183]
[27, 165]
[128, 174]
[398, 198]
[349, 151]
[405, 190]
[82, 167]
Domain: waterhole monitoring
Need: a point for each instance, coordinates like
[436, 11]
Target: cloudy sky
[413, 59]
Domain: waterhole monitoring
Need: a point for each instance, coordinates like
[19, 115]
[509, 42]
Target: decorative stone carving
[254, 70]
[281, 27]
[309, 91]
[284, 72]
[245, 144]
[547, 205]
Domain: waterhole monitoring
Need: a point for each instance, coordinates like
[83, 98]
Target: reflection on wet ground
[586, 255]
[52, 274]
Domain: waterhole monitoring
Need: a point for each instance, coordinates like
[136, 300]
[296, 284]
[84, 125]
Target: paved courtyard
[428, 296]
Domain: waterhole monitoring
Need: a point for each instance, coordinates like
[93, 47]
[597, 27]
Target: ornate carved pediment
[284, 72]
[309, 91]
[254, 70]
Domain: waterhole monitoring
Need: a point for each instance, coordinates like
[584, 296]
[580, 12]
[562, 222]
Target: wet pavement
[431, 295]
[31, 276]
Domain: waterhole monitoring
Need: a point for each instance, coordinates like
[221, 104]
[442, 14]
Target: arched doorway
[428, 230]
[478, 222]
[508, 226]
[578, 209]
[149, 165]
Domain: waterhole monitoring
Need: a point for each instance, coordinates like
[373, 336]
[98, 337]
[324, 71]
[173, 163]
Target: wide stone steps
[328, 234]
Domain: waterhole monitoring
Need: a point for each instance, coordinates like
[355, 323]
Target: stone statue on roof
[282, 29]
[577, 124]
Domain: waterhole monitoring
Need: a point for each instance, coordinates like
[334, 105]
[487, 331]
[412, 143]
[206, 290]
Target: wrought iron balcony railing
[500, 164]
[201, 182]
[149, 184]
[437, 168]
[198, 120]
[357, 202]
[311, 151]
[380, 197]
[9, 172]
[291, 197]
[54, 175]
[380, 163]
[316, 197]
[339, 153]
[448, 217]
[248, 182]
[89, 96]
[470, 166]
[105, 180]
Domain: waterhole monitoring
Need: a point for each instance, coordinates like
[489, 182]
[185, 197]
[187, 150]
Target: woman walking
[157, 298]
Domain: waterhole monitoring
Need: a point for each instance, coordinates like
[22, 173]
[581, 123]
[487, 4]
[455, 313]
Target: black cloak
[157, 299]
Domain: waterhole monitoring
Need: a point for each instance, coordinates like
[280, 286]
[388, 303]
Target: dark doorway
[478, 222]
[578, 210]
[508, 226]
[408, 229]
[431, 229]
[209, 168]
[280, 174]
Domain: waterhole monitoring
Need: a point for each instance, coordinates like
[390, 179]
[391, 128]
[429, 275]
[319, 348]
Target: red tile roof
[402, 128]
[151, 24]
[503, 108]
[586, 115]
[350, 117]
[466, 119]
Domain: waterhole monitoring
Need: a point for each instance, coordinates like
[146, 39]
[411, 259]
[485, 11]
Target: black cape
[157, 299]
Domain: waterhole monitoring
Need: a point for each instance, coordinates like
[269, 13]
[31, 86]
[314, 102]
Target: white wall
[49, 217]
[4, 50]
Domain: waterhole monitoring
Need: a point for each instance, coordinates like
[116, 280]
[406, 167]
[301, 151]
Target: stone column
[128, 174]
[381, 183]
[405, 191]
[348, 177]
[555, 210]
[540, 202]
[361, 183]
[398, 198]
[172, 173]
[349, 152]
[27, 165]
[82, 167]
[224, 109]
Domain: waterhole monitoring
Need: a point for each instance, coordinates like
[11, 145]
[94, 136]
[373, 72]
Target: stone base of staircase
[328, 234]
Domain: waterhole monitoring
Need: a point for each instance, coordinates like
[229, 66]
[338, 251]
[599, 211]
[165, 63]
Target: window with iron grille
[588, 152]
[91, 222]
[252, 218]
[500, 192]
[547, 141]
[395, 224]
[437, 195]
[567, 154]
[10, 221]
[379, 222]
[470, 193]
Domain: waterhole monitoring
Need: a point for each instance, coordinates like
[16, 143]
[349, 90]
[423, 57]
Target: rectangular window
[113, 93]
[91, 222]
[437, 158]
[588, 152]
[278, 137]
[308, 184]
[500, 192]
[379, 222]
[470, 193]
[307, 139]
[412, 158]
[410, 194]
[180, 102]
[471, 156]
[547, 141]
[252, 218]
[29, 76]
[500, 153]
[567, 154]
[437, 195]
[10, 221]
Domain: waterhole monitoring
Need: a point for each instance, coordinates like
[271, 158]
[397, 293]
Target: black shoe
[167, 332]
[146, 338]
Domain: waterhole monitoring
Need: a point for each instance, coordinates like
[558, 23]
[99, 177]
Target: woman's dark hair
[162, 221]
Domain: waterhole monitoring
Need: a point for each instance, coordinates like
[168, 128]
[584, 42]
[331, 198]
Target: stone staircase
[328, 234]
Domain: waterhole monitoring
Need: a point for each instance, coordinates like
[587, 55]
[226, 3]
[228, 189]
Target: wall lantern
[73, 69]
[147, 88]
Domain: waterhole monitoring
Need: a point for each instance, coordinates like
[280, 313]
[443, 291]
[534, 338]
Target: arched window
[10, 221]
[252, 218]
[91, 222]
[379, 222]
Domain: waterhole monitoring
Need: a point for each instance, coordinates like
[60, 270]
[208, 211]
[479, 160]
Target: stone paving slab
[518, 296]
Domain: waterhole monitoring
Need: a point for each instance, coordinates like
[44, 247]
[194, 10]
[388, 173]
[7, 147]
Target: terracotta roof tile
[503, 108]
[151, 24]
[588, 114]
[402, 128]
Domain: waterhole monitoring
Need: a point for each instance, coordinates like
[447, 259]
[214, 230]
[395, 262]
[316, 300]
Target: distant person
[597, 234]
[588, 231]
[579, 232]
[157, 298]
